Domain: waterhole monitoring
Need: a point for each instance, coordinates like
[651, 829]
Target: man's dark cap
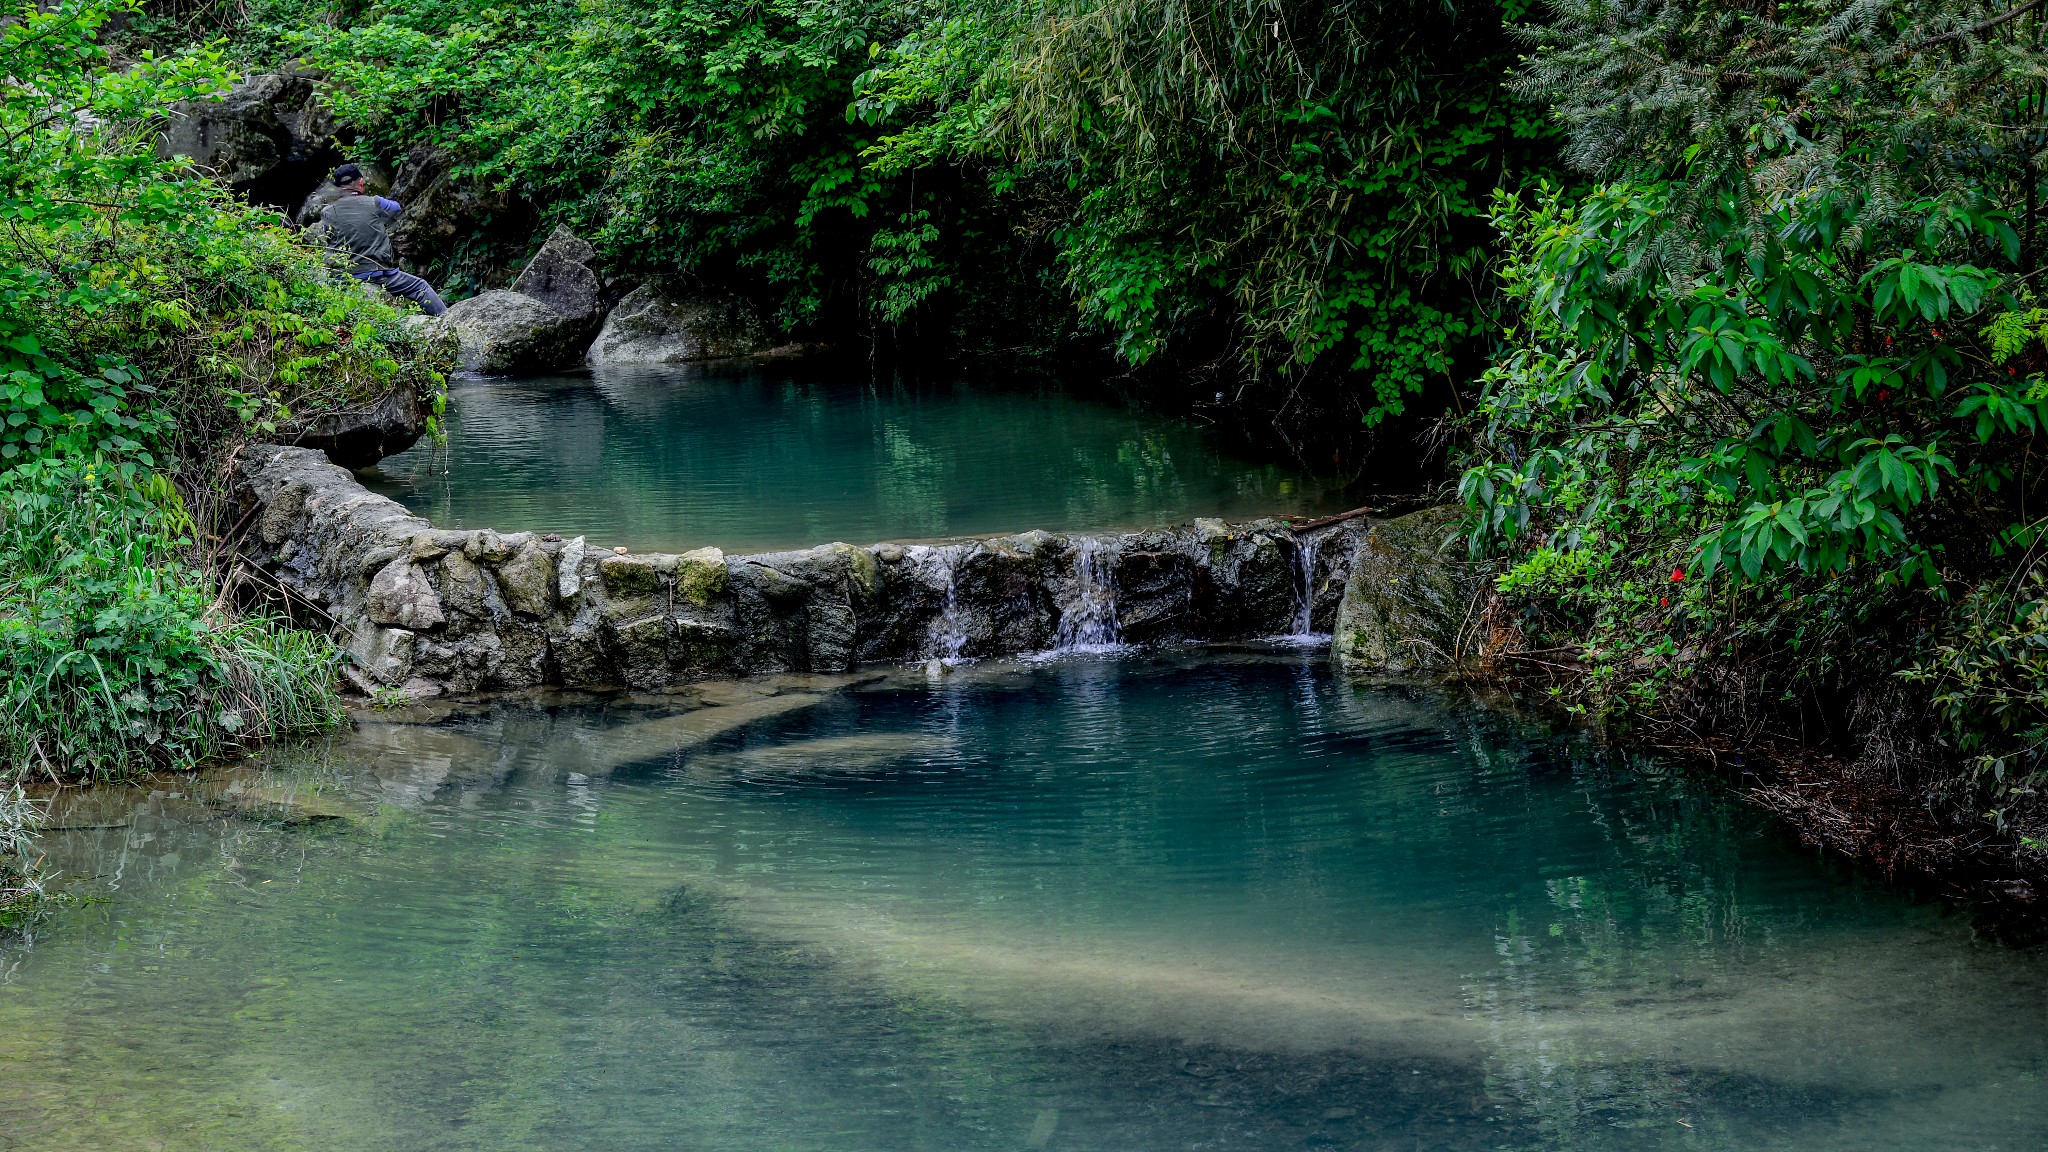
[347, 174]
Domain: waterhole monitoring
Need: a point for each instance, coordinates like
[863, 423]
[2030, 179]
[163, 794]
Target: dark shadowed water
[753, 458]
[1167, 902]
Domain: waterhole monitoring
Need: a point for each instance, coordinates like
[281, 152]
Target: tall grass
[116, 654]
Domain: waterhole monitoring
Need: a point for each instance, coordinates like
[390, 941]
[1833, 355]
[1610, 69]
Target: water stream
[1088, 617]
[760, 457]
[1164, 901]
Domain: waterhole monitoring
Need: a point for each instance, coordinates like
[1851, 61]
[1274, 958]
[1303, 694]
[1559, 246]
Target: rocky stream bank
[426, 611]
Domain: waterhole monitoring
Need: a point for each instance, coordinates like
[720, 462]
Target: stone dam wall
[426, 610]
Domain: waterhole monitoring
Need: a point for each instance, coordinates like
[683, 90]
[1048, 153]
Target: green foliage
[21, 890]
[1989, 677]
[701, 139]
[147, 322]
[1313, 175]
[143, 311]
[116, 656]
[1778, 377]
[1312, 202]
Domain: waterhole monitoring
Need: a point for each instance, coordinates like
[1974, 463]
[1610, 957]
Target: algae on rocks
[1412, 602]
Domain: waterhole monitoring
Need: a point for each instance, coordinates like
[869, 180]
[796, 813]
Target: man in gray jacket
[360, 226]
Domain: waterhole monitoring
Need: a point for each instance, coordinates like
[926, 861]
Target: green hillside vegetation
[1271, 201]
[147, 321]
[1760, 441]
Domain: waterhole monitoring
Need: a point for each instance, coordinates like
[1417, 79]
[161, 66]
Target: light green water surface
[1166, 902]
[760, 457]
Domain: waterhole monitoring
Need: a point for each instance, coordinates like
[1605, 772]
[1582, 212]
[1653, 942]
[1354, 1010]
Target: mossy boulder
[1412, 599]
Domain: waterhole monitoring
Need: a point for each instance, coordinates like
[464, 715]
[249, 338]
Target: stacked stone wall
[429, 610]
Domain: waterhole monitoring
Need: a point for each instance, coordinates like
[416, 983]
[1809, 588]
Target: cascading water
[949, 630]
[1305, 549]
[1088, 619]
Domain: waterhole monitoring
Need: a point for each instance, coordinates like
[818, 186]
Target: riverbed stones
[400, 595]
[1411, 600]
[1247, 579]
[465, 611]
[651, 326]
[1155, 589]
[527, 579]
[569, 569]
[701, 577]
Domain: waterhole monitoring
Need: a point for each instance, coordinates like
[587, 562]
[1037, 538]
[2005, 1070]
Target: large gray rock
[444, 211]
[1412, 601]
[502, 333]
[270, 136]
[650, 327]
[560, 276]
[359, 437]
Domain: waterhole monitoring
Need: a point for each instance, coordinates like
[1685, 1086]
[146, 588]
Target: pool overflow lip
[424, 611]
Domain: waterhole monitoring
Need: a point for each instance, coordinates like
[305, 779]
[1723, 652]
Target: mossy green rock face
[1411, 599]
[632, 575]
[700, 576]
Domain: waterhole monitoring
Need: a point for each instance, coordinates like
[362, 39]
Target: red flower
[1678, 575]
[1663, 601]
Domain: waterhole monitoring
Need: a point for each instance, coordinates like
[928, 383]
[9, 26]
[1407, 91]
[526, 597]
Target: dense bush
[1761, 447]
[1291, 194]
[147, 323]
[119, 654]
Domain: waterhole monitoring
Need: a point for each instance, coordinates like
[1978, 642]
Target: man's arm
[391, 206]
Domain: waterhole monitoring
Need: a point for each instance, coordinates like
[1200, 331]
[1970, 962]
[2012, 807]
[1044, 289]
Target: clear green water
[1169, 902]
[756, 458]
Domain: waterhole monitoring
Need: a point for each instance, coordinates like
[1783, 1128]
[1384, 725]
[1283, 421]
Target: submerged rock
[827, 756]
[502, 333]
[649, 327]
[1411, 602]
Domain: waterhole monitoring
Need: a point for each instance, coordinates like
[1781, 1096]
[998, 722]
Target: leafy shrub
[147, 323]
[1778, 375]
[1301, 208]
[144, 313]
[117, 655]
[21, 889]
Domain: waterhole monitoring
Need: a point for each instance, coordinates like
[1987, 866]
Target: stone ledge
[430, 610]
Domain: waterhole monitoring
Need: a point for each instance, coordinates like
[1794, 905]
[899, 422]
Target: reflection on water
[1167, 902]
[754, 458]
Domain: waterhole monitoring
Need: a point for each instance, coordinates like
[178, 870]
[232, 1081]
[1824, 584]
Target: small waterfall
[951, 630]
[1088, 620]
[1305, 549]
[940, 567]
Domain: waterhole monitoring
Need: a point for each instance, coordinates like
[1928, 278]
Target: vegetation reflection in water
[1213, 902]
[753, 458]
